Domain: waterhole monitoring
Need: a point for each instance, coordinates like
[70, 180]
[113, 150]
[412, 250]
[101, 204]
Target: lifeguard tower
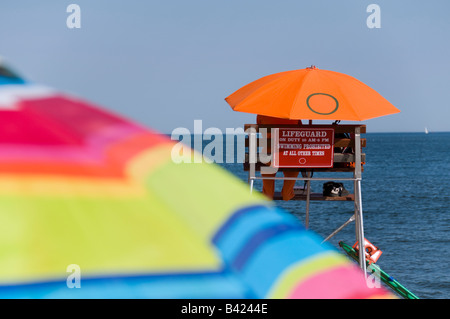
[310, 94]
[310, 148]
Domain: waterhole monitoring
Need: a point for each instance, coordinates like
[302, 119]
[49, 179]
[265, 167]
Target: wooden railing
[343, 161]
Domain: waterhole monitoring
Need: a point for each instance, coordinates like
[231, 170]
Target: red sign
[303, 147]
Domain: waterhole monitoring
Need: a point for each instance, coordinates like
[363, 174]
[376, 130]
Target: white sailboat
[426, 130]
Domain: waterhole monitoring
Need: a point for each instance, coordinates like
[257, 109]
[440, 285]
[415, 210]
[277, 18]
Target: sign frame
[307, 159]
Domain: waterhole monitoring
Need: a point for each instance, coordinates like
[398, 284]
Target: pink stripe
[91, 152]
[338, 283]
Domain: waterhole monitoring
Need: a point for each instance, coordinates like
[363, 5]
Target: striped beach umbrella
[92, 206]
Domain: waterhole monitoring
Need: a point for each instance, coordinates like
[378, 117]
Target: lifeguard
[269, 184]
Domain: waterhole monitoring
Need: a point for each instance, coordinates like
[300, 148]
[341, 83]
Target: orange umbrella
[312, 94]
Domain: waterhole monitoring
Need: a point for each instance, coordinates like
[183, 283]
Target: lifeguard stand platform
[310, 152]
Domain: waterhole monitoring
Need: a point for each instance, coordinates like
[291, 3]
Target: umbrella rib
[273, 77]
[346, 100]
[296, 96]
[358, 118]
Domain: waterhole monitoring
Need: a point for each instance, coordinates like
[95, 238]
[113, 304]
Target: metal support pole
[358, 202]
[360, 226]
[308, 197]
[252, 150]
[351, 219]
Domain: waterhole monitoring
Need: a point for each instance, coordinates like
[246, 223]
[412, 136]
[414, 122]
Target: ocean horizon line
[374, 132]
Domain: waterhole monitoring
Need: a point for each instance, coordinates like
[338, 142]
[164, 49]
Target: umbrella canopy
[312, 94]
[82, 186]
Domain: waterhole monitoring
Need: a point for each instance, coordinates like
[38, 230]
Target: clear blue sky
[166, 63]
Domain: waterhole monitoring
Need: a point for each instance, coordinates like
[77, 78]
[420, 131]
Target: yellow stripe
[383, 296]
[141, 165]
[110, 227]
[40, 237]
[205, 195]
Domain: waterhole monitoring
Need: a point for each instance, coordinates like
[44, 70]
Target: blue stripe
[236, 238]
[233, 219]
[162, 286]
[260, 243]
[258, 240]
[6, 80]
[279, 253]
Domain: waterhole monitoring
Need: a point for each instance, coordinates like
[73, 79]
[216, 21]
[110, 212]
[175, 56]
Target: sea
[406, 206]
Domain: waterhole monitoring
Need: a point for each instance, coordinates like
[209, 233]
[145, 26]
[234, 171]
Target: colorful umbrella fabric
[312, 94]
[82, 186]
